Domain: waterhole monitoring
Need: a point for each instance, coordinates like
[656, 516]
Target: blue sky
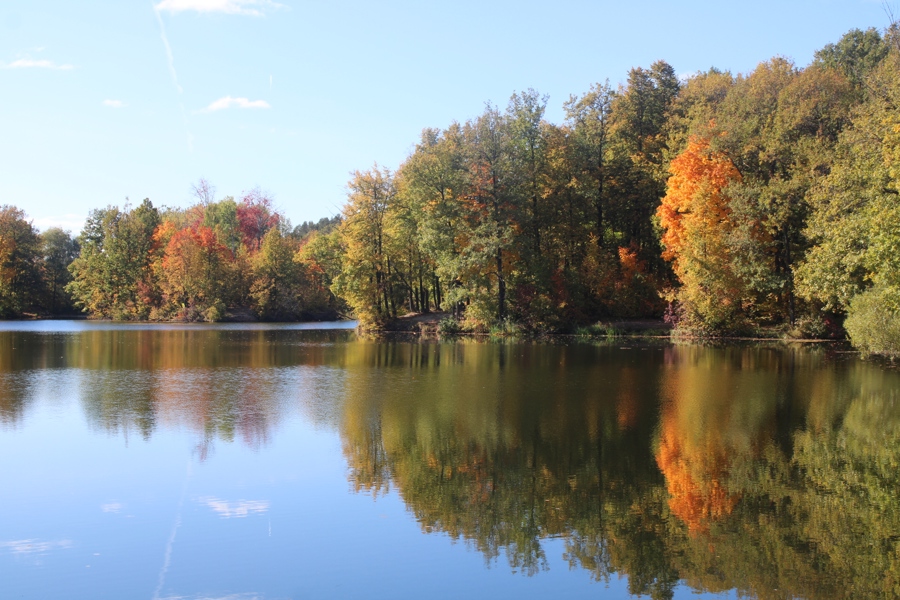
[106, 100]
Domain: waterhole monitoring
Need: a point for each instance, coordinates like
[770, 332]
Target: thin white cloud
[244, 596]
[114, 103]
[255, 8]
[112, 507]
[239, 509]
[35, 63]
[229, 102]
[34, 546]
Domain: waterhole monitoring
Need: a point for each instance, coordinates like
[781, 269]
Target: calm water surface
[279, 462]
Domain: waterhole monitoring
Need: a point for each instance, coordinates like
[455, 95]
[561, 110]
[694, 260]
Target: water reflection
[237, 509]
[505, 446]
[35, 546]
[221, 383]
[767, 470]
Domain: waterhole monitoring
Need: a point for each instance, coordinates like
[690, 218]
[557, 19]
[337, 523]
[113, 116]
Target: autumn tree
[493, 213]
[589, 118]
[855, 55]
[366, 277]
[639, 117]
[112, 276]
[321, 254]
[641, 109]
[431, 183]
[854, 265]
[20, 254]
[278, 281]
[696, 218]
[566, 216]
[411, 269]
[594, 169]
[778, 125]
[693, 113]
[619, 139]
[528, 148]
[222, 218]
[58, 250]
[192, 271]
[256, 215]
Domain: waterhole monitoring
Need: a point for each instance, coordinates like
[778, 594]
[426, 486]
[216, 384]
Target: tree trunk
[790, 275]
[501, 287]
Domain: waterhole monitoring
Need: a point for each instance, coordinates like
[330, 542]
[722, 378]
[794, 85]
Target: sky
[109, 102]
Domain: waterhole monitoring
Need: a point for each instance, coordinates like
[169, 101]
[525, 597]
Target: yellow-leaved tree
[366, 281]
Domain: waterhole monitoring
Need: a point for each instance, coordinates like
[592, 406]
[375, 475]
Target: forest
[724, 203]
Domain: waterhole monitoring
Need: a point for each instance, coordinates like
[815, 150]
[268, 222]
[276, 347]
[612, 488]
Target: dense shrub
[873, 326]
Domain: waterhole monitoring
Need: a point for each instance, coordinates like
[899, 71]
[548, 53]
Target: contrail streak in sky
[165, 39]
[171, 60]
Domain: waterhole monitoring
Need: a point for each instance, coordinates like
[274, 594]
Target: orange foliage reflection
[694, 476]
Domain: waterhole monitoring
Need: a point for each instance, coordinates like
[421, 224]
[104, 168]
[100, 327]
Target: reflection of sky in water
[75, 326]
[35, 546]
[171, 477]
[248, 596]
[240, 508]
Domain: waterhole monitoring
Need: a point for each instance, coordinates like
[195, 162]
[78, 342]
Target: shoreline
[427, 325]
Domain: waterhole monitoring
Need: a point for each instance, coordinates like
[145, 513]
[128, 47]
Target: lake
[299, 461]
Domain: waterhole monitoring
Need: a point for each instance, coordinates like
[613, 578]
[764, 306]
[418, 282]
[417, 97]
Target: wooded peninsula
[721, 203]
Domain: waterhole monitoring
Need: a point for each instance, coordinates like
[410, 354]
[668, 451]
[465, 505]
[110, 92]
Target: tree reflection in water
[767, 470]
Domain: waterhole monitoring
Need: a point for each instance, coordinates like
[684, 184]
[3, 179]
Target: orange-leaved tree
[193, 272]
[697, 221]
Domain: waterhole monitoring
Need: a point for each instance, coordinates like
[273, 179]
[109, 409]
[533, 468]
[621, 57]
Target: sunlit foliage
[696, 216]
[213, 261]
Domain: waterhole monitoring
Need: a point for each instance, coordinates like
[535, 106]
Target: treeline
[509, 218]
[726, 202]
[722, 202]
[33, 266]
[213, 261]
